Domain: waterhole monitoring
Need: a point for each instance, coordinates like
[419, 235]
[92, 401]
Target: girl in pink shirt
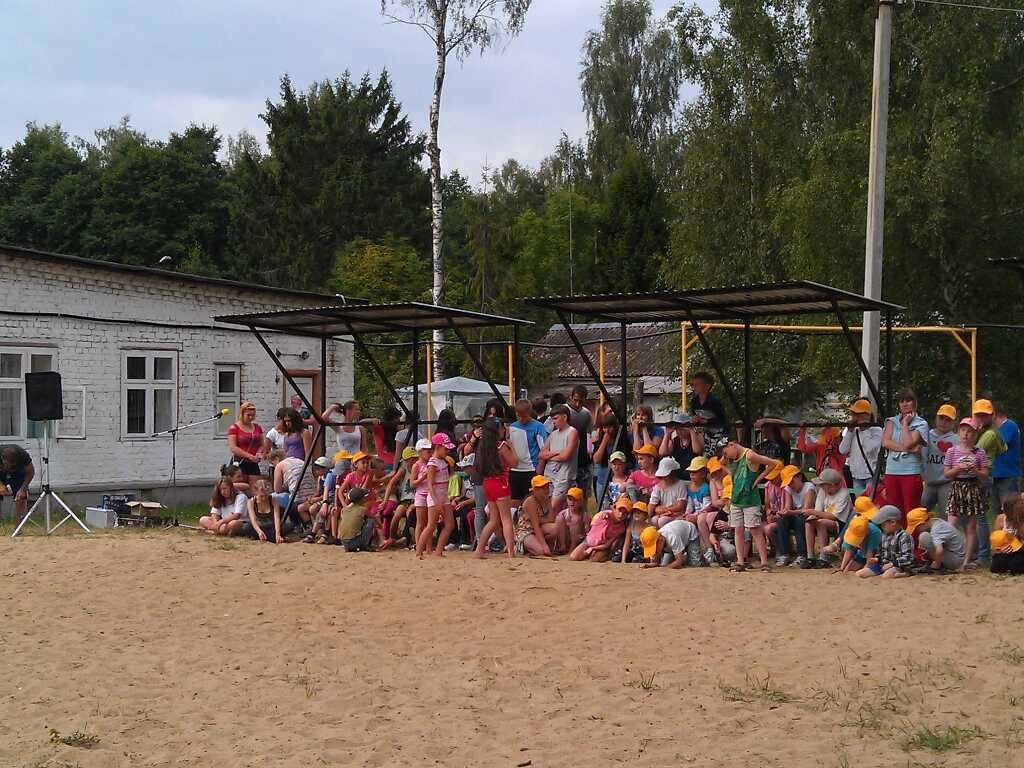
[605, 529]
[965, 467]
[438, 506]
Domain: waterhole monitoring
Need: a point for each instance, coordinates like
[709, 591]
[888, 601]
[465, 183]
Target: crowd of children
[521, 487]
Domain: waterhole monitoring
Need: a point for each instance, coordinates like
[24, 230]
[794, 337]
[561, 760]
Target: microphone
[223, 412]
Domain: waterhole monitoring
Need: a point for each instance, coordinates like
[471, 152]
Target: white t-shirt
[349, 441]
[938, 444]
[276, 438]
[861, 463]
[517, 438]
[801, 499]
[678, 534]
[237, 507]
[667, 496]
[838, 504]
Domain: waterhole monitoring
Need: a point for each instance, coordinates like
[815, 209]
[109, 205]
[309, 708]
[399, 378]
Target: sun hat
[408, 453]
[359, 457]
[617, 456]
[440, 438]
[575, 493]
[865, 506]
[948, 411]
[649, 538]
[860, 405]
[999, 540]
[828, 476]
[970, 421]
[856, 531]
[787, 473]
[646, 450]
[624, 502]
[886, 513]
[539, 481]
[666, 467]
[639, 506]
[714, 465]
[324, 463]
[423, 444]
[915, 517]
[342, 455]
[356, 494]
[983, 406]
[698, 463]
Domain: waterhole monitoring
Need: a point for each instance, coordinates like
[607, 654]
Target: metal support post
[748, 424]
[589, 365]
[287, 376]
[380, 373]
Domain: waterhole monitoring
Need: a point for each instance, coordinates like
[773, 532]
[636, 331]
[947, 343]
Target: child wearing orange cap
[825, 449]
[642, 480]
[1005, 540]
[571, 523]
[861, 541]
[860, 444]
[673, 545]
[797, 500]
[605, 529]
[529, 535]
[714, 524]
[632, 550]
[773, 499]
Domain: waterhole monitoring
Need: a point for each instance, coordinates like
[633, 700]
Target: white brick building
[138, 352]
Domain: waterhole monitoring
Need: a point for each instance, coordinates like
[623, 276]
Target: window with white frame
[15, 362]
[149, 399]
[228, 395]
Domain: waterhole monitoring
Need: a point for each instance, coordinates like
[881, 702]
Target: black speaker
[43, 398]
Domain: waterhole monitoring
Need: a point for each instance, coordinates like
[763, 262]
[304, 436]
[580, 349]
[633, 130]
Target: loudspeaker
[43, 398]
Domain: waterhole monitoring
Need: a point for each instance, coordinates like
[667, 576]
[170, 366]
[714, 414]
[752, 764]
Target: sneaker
[781, 561]
[805, 563]
[465, 547]
[823, 562]
[709, 556]
[799, 562]
[449, 547]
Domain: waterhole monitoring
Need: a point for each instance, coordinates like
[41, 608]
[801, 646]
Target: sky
[166, 64]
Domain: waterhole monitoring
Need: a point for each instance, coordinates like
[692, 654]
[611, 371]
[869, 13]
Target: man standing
[990, 440]
[1006, 470]
[16, 473]
[582, 420]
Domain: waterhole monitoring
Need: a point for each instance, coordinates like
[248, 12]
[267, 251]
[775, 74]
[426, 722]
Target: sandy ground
[173, 649]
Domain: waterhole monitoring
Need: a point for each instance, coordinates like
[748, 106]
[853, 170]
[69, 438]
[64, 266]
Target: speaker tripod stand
[49, 496]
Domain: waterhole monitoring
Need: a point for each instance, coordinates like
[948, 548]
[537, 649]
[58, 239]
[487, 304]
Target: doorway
[308, 383]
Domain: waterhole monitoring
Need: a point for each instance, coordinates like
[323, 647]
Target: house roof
[737, 302]
[651, 348]
[369, 318]
[134, 269]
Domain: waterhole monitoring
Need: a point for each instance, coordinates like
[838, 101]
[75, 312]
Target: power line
[950, 4]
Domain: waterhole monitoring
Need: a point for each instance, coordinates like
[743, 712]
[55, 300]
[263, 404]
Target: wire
[974, 6]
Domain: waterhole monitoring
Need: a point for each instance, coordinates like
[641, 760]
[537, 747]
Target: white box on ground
[98, 517]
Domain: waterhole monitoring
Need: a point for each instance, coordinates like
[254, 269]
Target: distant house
[652, 362]
[138, 353]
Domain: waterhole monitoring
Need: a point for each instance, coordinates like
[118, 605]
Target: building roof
[133, 269]
[651, 349]
[325, 322]
[738, 302]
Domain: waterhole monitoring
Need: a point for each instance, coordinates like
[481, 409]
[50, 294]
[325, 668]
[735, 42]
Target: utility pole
[876, 188]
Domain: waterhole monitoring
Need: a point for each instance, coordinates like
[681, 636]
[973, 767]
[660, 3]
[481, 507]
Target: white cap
[423, 445]
[666, 467]
[324, 463]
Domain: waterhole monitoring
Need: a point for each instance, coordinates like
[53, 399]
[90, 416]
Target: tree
[454, 27]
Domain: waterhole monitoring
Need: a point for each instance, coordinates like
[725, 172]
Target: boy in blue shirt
[861, 542]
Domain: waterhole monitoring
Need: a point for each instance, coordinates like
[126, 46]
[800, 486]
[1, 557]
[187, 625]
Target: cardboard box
[146, 508]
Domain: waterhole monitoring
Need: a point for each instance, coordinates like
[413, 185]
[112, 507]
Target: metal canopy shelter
[358, 320]
[743, 303]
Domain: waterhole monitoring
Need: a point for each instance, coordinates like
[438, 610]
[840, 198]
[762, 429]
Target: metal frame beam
[713, 359]
[857, 356]
[590, 366]
[478, 364]
[380, 373]
[287, 376]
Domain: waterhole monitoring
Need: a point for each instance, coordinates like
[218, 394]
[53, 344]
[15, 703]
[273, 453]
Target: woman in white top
[227, 509]
[351, 438]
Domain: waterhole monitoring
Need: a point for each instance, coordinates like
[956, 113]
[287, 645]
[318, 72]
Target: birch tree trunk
[440, 12]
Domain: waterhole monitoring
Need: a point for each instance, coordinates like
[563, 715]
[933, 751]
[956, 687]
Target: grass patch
[1014, 655]
[644, 682]
[1014, 701]
[942, 739]
[755, 690]
[74, 739]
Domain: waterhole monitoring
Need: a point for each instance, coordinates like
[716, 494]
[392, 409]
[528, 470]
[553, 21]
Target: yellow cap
[698, 463]
[624, 502]
[539, 481]
[983, 406]
[646, 450]
[787, 473]
[640, 506]
[1004, 540]
[861, 405]
[774, 472]
[649, 538]
[915, 517]
[575, 493]
[947, 410]
[865, 507]
[856, 531]
[714, 465]
[359, 457]
[342, 455]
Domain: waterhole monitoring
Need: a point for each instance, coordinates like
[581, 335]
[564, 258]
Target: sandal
[738, 567]
[766, 568]
[309, 539]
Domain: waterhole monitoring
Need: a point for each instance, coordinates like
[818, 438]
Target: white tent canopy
[465, 396]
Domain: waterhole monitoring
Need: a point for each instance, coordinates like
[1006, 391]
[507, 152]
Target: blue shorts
[875, 568]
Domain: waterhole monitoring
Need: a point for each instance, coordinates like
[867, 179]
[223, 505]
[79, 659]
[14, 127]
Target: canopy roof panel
[738, 302]
[367, 318]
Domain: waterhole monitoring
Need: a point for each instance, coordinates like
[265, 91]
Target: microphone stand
[173, 432]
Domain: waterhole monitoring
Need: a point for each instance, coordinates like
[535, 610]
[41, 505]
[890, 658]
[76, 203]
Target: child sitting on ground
[716, 519]
[632, 550]
[400, 488]
[675, 544]
[572, 520]
[774, 498]
[896, 554]
[605, 529]
[642, 480]
[832, 511]
[798, 499]
[618, 480]
[942, 546]
[862, 540]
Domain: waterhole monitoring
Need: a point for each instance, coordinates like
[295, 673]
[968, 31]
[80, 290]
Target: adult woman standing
[352, 436]
[227, 508]
[493, 459]
[905, 437]
[296, 438]
[245, 441]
